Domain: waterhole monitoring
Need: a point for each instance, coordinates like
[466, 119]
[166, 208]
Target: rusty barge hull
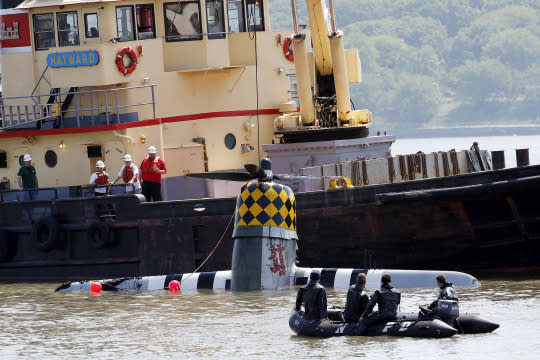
[484, 223]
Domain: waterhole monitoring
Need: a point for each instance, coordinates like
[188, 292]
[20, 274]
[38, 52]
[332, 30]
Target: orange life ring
[126, 70]
[287, 50]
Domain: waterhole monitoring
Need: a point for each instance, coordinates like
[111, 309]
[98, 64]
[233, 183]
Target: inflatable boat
[464, 324]
[433, 328]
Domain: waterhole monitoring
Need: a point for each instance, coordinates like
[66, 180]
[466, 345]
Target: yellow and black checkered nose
[266, 204]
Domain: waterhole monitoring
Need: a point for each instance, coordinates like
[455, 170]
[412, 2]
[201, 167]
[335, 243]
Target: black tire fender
[45, 233]
[98, 235]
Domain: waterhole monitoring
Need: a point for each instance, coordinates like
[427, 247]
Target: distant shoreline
[463, 131]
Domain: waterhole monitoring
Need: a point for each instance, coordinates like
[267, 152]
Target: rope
[213, 250]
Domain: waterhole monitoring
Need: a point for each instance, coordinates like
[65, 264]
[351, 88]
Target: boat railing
[98, 104]
[18, 195]
[53, 193]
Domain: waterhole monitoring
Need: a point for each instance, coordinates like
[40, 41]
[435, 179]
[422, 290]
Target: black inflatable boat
[403, 327]
[464, 324]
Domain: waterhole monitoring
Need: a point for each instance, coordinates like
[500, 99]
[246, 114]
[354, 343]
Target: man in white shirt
[100, 179]
[130, 174]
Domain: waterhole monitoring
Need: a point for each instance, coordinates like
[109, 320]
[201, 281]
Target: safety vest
[102, 178]
[127, 174]
[149, 165]
[389, 301]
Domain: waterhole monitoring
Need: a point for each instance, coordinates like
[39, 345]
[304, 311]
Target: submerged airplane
[264, 252]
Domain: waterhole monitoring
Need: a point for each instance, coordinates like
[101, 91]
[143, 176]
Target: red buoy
[95, 289]
[174, 287]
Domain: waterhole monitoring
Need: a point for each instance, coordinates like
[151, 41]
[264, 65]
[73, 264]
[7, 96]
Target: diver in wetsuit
[313, 297]
[387, 298]
[447, 292]
[357, 300]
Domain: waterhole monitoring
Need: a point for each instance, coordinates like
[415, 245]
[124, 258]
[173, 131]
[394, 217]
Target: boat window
[145, 22]
[91, 25]
[124, 23]
[215, 17]
[68, 28]
[255, 17]
[230, 141]
[51, 159]
[235, 12]
[182, 20]
[44, 31]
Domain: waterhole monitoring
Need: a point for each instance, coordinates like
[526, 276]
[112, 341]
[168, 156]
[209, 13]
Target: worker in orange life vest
[130, 174]
[152, 167]
[101, 179]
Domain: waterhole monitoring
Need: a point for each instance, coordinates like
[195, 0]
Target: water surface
[37, 323]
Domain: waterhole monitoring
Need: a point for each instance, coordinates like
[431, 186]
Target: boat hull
[420, 329]
[483, 223]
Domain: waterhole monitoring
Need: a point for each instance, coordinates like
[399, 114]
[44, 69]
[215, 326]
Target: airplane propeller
[262, 173]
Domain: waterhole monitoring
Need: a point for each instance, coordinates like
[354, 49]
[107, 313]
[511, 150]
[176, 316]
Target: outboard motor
[264, 251]
[447, 310]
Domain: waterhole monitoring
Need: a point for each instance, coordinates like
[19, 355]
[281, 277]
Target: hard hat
[100, 164]
[27, 157]
[152, 150]
[127, 157]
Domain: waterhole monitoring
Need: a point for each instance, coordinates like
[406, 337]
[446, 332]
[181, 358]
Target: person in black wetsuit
[357, 300]
[387, 298]
[313, 297]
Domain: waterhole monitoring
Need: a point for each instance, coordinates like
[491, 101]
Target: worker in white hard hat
[27, 178]
[152, 168]
[130, 174]
[100, 179]
[28, 182]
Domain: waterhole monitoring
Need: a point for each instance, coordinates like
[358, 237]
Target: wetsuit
[357, 301]
[387, 299]
[313, 296]
[447, 293]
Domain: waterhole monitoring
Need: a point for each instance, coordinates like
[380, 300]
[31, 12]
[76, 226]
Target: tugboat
[210, 86]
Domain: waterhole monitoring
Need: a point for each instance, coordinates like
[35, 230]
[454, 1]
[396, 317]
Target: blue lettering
[76, 58]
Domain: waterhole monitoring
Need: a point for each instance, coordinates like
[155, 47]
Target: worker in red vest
[152, 167]
[100, 179]
[129, 173]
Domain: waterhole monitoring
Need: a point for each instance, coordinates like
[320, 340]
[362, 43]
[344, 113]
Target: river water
[36, 323]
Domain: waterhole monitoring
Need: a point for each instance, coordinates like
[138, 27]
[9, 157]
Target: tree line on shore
[440, 62]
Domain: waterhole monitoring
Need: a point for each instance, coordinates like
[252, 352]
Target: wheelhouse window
[124, 23]
[235, 11]
[182, 20]
[68, 28]
[215, 17]
[145, 22]
[255, 15]
[91, 28]
[44, 31]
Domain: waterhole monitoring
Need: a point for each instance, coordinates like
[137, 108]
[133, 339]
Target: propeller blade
[284, 177]
[230, 176]
[254, 170]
